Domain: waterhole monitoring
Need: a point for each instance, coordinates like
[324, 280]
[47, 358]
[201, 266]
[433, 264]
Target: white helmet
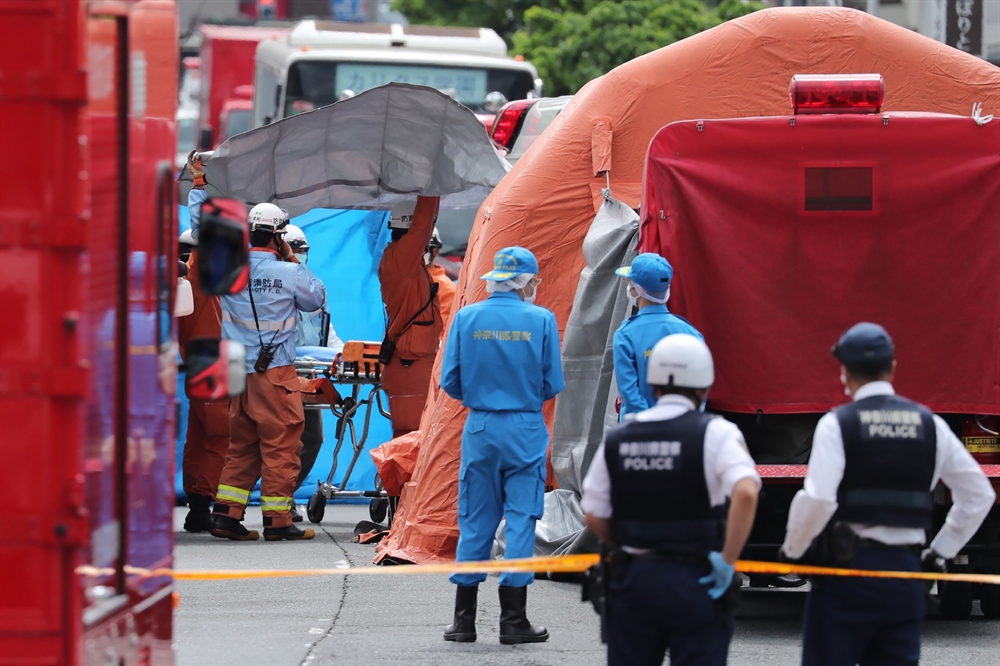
[187, 238]
[296, 238]
[681, 360]
[401, 216]
[268, 217]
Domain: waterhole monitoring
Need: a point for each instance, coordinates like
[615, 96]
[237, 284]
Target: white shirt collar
[675, 399]
[874, 388]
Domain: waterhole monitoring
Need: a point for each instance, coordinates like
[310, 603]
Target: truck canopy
[784, 232]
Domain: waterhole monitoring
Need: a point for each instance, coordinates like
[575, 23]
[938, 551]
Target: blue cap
[511, 262]
[863, 343]
[650, 271]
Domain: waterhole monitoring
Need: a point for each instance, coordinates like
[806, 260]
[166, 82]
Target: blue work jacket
[502, 354]
[633, 343]
[280, 289]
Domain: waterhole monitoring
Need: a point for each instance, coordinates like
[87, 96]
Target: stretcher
[321, 370]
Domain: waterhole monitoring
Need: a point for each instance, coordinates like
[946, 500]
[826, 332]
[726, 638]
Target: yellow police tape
[552, 564]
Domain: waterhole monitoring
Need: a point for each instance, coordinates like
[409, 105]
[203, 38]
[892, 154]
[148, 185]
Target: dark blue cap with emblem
[864, 343]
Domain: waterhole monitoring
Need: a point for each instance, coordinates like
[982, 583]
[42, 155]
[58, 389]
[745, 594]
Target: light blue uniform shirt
[280, 289]
[195, 199]
[633, 343]
[502, 354]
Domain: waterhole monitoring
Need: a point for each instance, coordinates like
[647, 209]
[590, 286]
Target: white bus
[320, 62]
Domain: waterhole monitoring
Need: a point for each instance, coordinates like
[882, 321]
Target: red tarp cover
[772, 285]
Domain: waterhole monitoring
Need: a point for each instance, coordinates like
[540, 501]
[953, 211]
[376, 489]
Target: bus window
[315, 83]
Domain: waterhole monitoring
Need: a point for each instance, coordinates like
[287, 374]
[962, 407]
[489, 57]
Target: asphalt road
[362, 620]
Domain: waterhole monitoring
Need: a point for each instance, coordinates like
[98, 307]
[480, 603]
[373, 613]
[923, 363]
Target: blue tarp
[345, 249]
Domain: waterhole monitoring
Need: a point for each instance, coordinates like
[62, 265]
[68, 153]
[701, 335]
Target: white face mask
[427, 259]
[633, 297]
[303, 258]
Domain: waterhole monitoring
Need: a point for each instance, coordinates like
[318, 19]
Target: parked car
[519, 123]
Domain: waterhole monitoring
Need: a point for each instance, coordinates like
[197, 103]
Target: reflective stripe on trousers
[275, 503]
[232, 494]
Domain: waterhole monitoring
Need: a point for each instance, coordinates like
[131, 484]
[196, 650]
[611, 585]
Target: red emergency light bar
[836, 93]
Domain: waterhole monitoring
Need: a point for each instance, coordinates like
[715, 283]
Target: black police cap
[863, 343]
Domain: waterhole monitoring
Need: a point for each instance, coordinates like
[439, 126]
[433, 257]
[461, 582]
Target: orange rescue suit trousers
[205, 447]
[406, 383]
[265, 428]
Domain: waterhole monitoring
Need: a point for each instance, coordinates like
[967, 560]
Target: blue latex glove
[721, 576]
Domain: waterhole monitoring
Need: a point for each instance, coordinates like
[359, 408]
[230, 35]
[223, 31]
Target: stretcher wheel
[316, 508]
[378, 509]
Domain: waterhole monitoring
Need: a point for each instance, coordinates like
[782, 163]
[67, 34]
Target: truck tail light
[836, 93]
[507, 121]
[980, 436]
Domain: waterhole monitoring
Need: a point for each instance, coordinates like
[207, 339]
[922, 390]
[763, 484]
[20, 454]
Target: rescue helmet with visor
[268, 217]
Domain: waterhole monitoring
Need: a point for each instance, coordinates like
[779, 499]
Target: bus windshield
[316, 83]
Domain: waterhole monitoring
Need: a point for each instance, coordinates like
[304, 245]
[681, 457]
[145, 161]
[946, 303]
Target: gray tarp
[389, 143]
[586, 408]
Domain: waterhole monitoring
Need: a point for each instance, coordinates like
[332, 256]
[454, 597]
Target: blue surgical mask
[303, 258]
[701, 408]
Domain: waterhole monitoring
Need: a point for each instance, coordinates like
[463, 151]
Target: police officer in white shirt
[657, 489]
[867, 495]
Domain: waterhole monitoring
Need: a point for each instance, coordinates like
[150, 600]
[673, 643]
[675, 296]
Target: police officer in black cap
[657, 489]
[867, 497]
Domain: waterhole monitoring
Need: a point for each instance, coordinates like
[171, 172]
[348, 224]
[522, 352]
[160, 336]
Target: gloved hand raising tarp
[386, 144]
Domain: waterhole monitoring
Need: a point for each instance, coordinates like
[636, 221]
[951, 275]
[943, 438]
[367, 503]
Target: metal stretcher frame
[342, 373]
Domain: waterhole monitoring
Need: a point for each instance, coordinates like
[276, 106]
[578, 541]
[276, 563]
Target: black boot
[463, 630]
[514, 625]
[225, 527]
[296, 516]
[198, 518]
[289, 533]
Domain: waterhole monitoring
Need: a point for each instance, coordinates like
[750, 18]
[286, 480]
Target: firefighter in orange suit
[414, 312]
[446, 286]
[207, 437]
[266, 422]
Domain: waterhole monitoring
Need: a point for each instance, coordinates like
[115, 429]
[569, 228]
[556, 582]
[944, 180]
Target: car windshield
[185, 134]
[316, 83]
[538, 117]
[237, 122]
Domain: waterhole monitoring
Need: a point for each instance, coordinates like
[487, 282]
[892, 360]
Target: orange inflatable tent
[548, 200]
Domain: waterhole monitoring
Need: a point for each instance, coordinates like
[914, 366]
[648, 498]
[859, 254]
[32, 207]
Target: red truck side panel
[43, 381]
[786, 231]
[87, 256]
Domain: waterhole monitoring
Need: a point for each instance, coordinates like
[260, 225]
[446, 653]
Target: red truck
[88, 238]
[227, 62]
[785, 231]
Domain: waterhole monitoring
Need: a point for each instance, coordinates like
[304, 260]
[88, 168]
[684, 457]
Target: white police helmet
[681, 360]
[187, 238]
[268, 217]
[296, 239]
[401, 216]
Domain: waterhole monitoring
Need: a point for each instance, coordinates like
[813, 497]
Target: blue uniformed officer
[501, 359]
[648, 288]
[657, 489]
[873, 465]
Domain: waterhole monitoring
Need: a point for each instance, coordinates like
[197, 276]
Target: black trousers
[866, 621]
[660, 606]
[312, 442]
